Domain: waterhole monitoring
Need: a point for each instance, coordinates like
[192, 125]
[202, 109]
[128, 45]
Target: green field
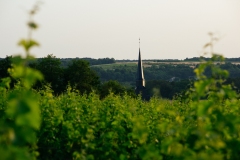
[116, 65]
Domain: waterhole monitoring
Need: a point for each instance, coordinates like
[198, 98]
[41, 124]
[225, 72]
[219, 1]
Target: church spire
[140, 81]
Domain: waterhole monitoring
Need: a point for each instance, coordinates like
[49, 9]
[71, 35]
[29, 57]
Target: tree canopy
[80, 76]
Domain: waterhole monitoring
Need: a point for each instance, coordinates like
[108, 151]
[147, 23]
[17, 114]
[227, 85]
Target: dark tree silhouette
[80, 76]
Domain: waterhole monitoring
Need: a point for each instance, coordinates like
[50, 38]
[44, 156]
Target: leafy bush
[19, 107]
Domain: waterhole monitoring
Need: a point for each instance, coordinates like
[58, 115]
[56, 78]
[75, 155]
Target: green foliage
[50, 67]
[4, 65]
[27, 44]
[81, 77]
[166, 89]
[114, 87]
[20, 113]
[204, 126]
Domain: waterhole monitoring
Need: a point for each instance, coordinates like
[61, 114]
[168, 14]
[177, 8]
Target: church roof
[140, 75]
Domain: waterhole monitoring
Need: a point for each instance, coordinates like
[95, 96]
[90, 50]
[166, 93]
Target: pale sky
[169, 29]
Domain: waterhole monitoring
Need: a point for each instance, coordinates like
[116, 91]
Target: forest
[48, 111]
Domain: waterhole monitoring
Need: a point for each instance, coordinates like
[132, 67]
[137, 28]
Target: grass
[116, 65]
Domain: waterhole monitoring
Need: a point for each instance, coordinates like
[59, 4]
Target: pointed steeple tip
[139, 43]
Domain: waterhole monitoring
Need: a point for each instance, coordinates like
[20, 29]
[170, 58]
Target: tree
[4, 65]
[111, 87]
[80, 76]
[50, 67]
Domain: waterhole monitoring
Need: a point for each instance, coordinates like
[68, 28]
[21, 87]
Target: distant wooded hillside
[162, 78]
[194, 59]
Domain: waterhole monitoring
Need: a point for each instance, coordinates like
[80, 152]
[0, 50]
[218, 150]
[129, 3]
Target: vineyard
[203, 123]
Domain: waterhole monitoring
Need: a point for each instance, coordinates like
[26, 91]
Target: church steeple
[140, 81]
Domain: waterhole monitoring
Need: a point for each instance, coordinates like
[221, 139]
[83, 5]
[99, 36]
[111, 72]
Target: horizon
[123, 59]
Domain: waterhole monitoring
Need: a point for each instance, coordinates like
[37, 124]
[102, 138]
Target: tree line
[78, 75]
[164, 80]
